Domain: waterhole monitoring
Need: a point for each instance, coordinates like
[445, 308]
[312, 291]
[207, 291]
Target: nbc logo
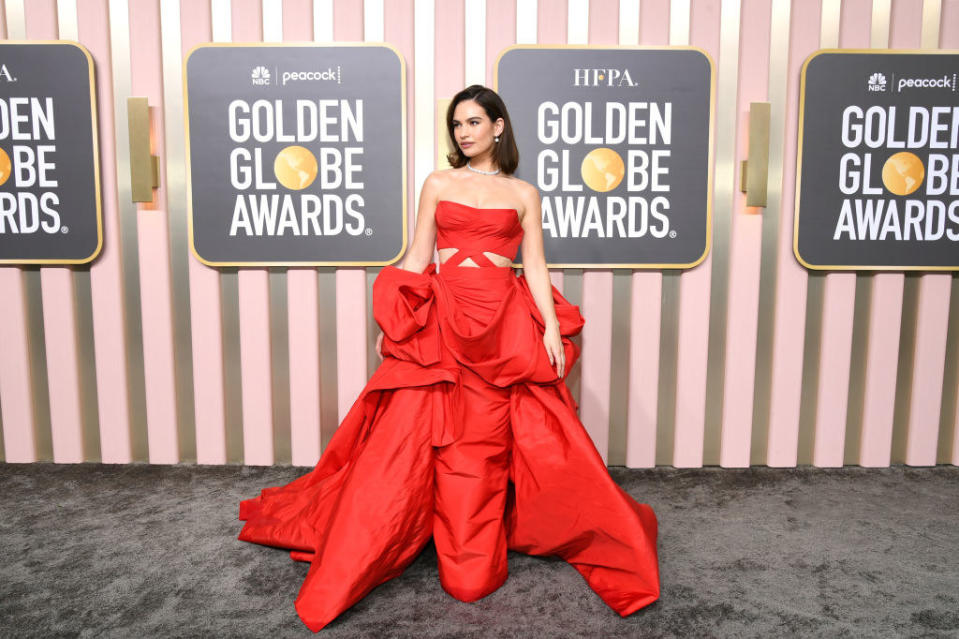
[877, 82]
[261, 76]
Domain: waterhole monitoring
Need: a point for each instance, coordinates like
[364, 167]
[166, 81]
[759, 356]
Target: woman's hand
[554, 349]
[379, 345]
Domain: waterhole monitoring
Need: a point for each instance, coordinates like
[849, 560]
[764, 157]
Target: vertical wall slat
[886, 308]
[550, 29]
[154, 246]
[59, 308]
[351, 297]
[949, 420]
[715, 28]
[173, 185]
[68, 29]
[106, 276]
[597, 20]
[166, 95]
[791, 278]
[932, 313]
[674, 20]
[16, 388]
[302, 308]
[195, 25]
[778, 82]
[324, 20]
[272, 12]
[643, 24]
[253, 303]
[745, 250]
[119, 49]
[838, 304]
[928, 369]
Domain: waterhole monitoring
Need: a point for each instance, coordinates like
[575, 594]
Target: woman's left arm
[537, 277]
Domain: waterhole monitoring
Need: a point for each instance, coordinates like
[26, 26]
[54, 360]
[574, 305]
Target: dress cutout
[464, 434]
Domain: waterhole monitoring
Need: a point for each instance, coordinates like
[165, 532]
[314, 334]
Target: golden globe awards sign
[49, 166]
[296, 154]
[878, 161]
[618, 142]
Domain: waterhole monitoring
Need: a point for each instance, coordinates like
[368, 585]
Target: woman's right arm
[420, 253]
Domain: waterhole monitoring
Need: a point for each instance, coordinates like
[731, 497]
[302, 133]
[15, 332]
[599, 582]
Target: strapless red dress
[464, 434]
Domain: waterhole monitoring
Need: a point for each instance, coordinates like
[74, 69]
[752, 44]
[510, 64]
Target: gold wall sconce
[144, 166]
[754, 171]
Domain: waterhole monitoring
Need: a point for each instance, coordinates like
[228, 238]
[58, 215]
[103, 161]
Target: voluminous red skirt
[464, 434]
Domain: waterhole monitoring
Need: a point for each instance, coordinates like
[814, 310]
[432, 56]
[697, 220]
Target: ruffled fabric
[363, 513]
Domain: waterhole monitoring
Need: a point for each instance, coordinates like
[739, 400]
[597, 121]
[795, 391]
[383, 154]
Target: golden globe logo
[25, 124]
[902, 173]
[868, 213]
[295, 167]
[335, 128]
[637, 128]
[602, 169]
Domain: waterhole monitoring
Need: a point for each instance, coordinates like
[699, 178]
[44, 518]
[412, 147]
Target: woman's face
[472, 129]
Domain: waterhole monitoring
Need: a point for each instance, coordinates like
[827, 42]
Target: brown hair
[505, 153]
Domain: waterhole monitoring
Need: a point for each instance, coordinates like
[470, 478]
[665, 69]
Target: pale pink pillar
[256, 366]
[106, 273]
[642, 407]
[885, 309]
[59, 308]
[789, 321]
[16, 389]
[551, 29]
[834, 361]
[351, 341]
[598, 287]
[156, 304]
[929, 362]
[350, 336]
[63, 375]
[882, 362]
[745, 251]
[302, 306]
[646, 307]
[206, 314]
[839, 292]
[949, 39]
[694, 292]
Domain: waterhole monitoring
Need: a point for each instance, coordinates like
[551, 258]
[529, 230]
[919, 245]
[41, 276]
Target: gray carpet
[137, 550]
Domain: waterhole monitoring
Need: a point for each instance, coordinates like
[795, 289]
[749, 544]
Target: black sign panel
[619, 143]
[49, 166]
[297, 154]
[878, 161]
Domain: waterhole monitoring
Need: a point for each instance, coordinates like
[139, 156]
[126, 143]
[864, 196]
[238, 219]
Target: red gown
[464, 434]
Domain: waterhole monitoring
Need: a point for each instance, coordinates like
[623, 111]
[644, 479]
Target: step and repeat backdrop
[227, 320]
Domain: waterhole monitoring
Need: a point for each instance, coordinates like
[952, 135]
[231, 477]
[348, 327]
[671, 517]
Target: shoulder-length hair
[505, 153]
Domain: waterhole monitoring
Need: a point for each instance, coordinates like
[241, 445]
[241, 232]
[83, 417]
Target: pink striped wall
[874, 394]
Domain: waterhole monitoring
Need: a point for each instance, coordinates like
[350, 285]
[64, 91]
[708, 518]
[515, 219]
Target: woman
[466, 433]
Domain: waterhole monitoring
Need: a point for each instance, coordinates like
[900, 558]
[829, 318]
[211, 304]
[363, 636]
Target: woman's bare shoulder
[524, 192]
[520, 187]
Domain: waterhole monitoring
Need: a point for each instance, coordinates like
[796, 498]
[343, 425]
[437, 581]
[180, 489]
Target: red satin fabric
[464, 434]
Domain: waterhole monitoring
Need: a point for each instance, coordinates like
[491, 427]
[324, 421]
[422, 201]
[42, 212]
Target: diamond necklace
[481, 170]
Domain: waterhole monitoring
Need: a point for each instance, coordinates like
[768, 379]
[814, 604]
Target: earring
[496, 139]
